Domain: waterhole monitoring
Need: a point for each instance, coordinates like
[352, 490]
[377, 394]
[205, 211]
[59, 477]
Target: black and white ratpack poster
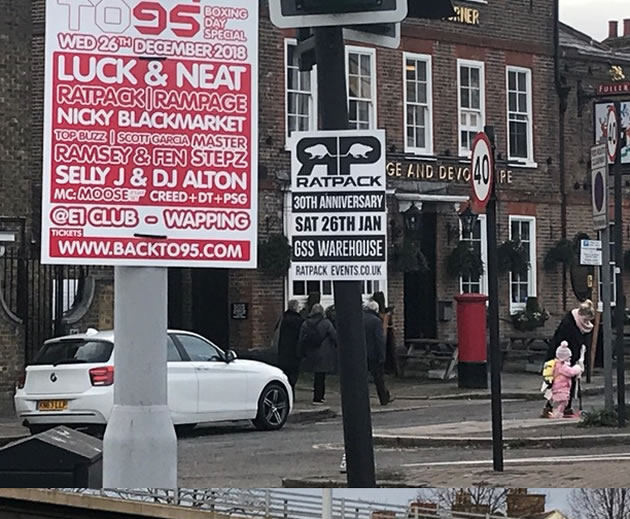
[339, 212]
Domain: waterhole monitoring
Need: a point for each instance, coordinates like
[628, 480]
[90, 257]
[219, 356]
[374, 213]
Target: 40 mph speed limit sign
[481, 168]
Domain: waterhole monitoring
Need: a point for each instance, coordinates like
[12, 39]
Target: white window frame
[313, 103]
[427, 59]
[480, 65]
[483, 280]
[351, 49]
[531, 273]
[529, 160]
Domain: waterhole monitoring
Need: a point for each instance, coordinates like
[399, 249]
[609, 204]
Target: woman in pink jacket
[563, 374]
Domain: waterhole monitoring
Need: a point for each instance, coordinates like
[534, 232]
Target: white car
[70, 382]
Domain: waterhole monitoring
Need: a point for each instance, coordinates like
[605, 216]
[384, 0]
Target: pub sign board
[339, 211]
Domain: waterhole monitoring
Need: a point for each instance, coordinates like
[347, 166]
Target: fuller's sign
[151, 133]
[619, 88]
[339, 212]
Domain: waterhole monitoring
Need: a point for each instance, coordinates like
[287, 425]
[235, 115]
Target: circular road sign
[598, 193]
[482, 169]
[612, 134]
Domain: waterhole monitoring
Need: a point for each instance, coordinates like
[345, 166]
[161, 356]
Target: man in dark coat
[288, 353]
[576, 328]
[319, 358]
[375, 346]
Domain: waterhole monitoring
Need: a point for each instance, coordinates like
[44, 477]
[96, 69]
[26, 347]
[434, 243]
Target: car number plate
[52, 405]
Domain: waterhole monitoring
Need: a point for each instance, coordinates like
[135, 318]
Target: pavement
[416, 392]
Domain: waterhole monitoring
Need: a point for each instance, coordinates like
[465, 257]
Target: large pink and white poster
[150, 124]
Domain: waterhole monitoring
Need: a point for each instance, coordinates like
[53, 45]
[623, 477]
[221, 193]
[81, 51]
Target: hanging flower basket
[512, 257]
[407, 257]
[562, 252]
[274, 255]
[464, 261]
[534, 316]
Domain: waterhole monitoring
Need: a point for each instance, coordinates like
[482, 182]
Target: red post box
[472, 362]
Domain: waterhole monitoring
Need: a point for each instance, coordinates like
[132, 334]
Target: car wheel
[273, 408]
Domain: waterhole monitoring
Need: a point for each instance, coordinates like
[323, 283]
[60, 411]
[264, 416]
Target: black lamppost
[468, 219]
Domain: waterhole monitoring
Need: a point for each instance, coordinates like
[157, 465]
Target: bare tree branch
[494, 498]
[601, 503]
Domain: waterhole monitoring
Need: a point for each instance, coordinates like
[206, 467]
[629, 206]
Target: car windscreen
[77, 351]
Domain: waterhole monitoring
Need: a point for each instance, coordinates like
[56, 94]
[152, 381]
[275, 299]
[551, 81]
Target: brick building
[492, 64]
[583, 67]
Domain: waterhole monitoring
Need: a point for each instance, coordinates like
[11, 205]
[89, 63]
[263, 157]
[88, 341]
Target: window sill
[522, 164]
[420, 155]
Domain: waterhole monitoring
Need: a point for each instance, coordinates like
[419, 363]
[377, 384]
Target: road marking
[525, 461]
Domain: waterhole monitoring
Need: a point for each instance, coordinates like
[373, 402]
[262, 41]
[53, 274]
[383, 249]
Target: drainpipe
[563, 96]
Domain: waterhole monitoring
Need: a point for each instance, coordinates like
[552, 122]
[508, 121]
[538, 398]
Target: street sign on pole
[599, 186]
[287, 14]
[488, 137]
[612, 133]
[591, 252]
[353, 372]
[339, 209]
[482, 168]
[614, 127]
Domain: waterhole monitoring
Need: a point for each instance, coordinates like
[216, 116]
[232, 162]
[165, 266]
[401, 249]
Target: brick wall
[525, 505]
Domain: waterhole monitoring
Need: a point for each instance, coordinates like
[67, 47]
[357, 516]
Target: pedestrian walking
[564, 375]
[289, 332]
[387, 315]
[318, 347]
[576, 329]
[375, 346]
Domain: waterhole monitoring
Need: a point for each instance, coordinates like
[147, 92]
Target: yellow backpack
[547, 371]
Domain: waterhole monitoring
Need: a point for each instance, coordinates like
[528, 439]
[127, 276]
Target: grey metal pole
[355, 396]
[606, 321]
[140, 446]
[493, 321]
[620, 300]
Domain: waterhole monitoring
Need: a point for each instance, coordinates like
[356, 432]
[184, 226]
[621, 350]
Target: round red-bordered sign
[481, 171]
[612, 134]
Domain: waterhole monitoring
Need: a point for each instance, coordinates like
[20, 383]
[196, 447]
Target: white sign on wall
[339, 212]
[150, 133]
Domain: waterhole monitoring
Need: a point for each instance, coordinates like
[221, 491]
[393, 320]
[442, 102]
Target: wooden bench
[531, 347]
[429, 350]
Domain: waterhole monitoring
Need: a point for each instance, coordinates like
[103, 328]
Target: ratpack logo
[326, 162]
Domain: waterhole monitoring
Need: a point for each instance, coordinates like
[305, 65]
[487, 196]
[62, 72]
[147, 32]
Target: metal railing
[279, 504]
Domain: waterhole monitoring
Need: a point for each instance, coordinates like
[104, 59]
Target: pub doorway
[420, 286]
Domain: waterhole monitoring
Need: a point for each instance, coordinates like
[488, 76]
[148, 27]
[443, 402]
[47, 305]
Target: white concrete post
[326, 503]
[140, 446]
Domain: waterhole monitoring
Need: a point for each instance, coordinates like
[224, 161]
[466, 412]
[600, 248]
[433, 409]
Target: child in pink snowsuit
[563, 374]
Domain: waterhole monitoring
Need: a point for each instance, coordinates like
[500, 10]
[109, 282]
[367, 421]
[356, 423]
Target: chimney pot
[626, 27]
[612, 28]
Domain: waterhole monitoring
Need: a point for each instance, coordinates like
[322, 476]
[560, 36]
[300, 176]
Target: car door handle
[203, 369]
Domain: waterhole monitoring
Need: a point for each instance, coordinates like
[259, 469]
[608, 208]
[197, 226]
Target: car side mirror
[230, 356]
